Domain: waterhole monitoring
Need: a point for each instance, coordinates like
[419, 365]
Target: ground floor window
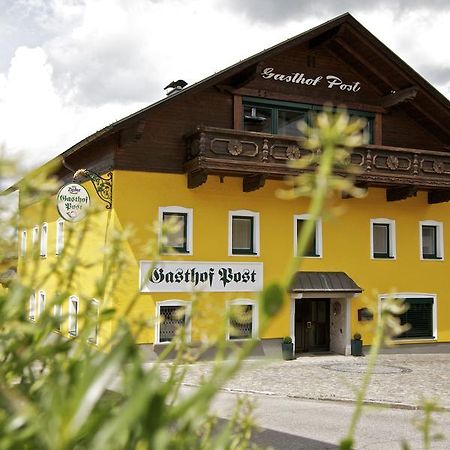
[421, 316]
[242, 319]
[32, 307]
[171, 316]
[94, 313]
[73, 315]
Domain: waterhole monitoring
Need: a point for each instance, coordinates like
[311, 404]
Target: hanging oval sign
[72, 202]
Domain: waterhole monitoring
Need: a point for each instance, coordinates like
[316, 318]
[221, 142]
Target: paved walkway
[399, 380]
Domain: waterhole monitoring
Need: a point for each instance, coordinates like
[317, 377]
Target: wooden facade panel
[400, 130]
[161, 147]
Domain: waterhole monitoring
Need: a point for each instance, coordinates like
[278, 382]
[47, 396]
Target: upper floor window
[279, 117]
[41, 303]
[23, 243]
[382, 239]
[243, 233]
[314, 247]
[175, 230]
[431, 240]
[34, 236]
[44, 238]
[59, 236]
[57, 314]
[172, 315]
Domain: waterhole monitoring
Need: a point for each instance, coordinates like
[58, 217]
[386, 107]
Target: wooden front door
[312, 325]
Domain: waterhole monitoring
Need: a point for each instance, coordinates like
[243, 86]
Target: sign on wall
[187, 276]
[72, 202]
[331, 81]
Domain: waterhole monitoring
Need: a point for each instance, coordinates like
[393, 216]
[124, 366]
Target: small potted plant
[356, 345]
[287, 348]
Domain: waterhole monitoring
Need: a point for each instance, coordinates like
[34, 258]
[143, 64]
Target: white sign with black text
[187, 276]
[72, 202]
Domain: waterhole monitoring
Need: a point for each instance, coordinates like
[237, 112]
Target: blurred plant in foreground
[58, 393]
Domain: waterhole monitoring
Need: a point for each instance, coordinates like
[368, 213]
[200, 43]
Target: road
[289, 423]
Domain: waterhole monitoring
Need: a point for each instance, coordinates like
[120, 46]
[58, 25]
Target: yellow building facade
[211, 158]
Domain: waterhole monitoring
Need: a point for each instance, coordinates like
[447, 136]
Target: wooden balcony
[258, 156]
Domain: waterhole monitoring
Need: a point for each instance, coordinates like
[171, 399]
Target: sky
[70, 67]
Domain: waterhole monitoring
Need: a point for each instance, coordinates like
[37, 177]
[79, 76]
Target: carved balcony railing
[258, 156]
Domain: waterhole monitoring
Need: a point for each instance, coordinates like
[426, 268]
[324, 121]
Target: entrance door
[312, 325]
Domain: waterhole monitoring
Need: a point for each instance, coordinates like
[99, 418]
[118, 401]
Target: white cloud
[99, 60]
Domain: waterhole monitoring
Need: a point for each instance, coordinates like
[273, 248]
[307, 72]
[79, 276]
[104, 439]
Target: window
[421, 316]
[243, 233]
[93, 321]
[314, 249]
[172, 315]
[59, 236]
[243, 319]
[73, 315]
[278, 117]
[57, 313]
[382, 239]
[44, 233]
[23, 243]
[175, 230]
[41, 303]
[32, 307]
[34, 236]
[431, 240]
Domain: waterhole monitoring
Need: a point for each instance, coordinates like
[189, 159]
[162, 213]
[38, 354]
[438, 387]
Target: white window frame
[32, 307]
[392, 238]
[57, 314]
[41, 303]
[319, 241]
[402, 295]
[23, 243]
[94, 323]
[439, 239]
[187, 307]
[73, 316]
[189, 227]
[255, 316]
[59, 242]
[34, 236]
[44, 239]
[256, 231]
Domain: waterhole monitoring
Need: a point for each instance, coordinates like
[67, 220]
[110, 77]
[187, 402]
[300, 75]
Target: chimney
[175, 86]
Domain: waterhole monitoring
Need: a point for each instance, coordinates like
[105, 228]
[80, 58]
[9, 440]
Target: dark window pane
[288, 122]
[381, 240]
[242, 235]
[172, 318]
[175, 228]
[311, 250]
[419, 316]
[241, 326]
[258, 119]
[429, 241]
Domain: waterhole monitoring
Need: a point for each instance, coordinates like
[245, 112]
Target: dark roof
[317, 32]
[323, 282]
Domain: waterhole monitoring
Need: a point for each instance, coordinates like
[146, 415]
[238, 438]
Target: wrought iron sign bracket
[102, 184]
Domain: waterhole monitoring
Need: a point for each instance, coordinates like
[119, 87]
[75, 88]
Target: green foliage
[357, 337]
[287, 340]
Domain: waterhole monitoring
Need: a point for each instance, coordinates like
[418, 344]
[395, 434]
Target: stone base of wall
[432, 347]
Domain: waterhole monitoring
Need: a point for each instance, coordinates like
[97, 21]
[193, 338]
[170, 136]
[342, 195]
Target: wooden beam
[404, 95]
[253, 182]
[394, 194]
[324, 37]
[247, 75]
[133, 134]
[439, 196]
[365, 62]
[378, 129]
[196, 179]
[237, 112]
